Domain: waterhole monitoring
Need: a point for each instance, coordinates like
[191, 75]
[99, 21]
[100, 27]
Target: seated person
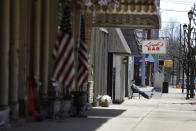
[136, 89]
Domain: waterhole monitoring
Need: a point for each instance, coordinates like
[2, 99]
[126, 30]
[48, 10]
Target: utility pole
[179, 55]
[188, 59]
[173, 71]
[184, 67]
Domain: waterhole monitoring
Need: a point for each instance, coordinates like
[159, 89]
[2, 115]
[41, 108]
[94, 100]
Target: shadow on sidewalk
[96, 118]
[97, 112]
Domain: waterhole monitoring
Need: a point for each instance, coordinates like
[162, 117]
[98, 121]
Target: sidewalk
[170, 112]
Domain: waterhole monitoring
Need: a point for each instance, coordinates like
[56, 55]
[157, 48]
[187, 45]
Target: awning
[118, 44]
[130, 14]
[132, 41]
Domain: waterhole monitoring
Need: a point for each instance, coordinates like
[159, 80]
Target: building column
[36, 35]
[54, 20]
[4, 52]
[14, 56]
[45, 47]
[23, 57]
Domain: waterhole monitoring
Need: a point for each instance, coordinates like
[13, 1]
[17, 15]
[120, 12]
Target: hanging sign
[154, 47]
[168, 63]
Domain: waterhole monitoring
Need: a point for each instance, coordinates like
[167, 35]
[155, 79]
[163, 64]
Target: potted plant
[105, 101]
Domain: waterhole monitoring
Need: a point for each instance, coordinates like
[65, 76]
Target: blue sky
[175, 10]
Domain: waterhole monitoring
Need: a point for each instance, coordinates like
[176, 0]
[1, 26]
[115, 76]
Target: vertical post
[76, 33]
[14, 56]
[143, 71]
[183, 64]
[23, 56]
[179, 71]
[188, 84]
[150, 74]
[36, 34]
[173, 71]
[126, 76]
[96, 89]
[188, 59]
[54, 20]
[45, 48]
[183, 78]
[4, 51]
[156, 65]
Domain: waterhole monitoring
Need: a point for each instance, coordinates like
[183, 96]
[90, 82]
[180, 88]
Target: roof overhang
[134, 14]
[119, 47]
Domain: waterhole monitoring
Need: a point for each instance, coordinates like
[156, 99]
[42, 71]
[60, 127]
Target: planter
[4, 116]
[96, 103]
[105, 104]
[105, 101]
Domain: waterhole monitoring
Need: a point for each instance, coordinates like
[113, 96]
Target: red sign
[154, 47]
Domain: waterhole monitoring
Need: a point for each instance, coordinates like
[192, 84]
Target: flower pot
[96, 103]
[105, 104]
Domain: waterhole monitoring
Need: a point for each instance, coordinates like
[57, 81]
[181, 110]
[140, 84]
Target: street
[171, 112]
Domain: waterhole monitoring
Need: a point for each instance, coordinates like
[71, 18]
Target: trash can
[165, 87]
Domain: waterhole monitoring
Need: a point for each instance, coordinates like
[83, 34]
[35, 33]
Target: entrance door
[111, 77]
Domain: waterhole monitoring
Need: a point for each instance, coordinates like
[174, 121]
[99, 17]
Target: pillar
[14, 56]
[54, 20]
[4, 52]
[45, 47]
[36, 35]
[23, 57]
[76, 16]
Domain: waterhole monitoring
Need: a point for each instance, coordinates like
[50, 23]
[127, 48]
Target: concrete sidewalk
[170, 112]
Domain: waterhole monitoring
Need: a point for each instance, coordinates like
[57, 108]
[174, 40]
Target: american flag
[82, 57]
[63, 53]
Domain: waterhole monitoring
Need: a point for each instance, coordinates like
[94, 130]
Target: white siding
[120, 78]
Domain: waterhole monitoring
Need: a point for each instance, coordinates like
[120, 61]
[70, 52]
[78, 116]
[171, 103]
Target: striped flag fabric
[82, 57]
[63, 53]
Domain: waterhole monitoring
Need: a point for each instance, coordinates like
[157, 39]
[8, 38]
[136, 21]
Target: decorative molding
[130, 14]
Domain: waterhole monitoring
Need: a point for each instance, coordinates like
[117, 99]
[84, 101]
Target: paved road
[170, 112]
